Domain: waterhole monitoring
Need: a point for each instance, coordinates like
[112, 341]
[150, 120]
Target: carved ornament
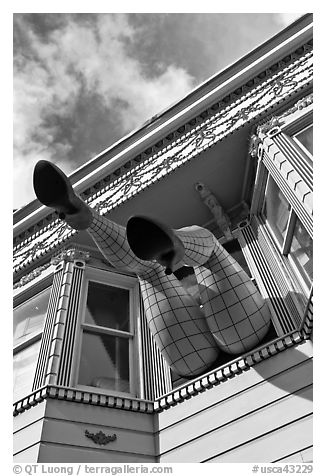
[221, 218]
[70, 254]
[100, 438]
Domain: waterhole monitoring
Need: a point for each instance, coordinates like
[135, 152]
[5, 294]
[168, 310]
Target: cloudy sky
[83, 81]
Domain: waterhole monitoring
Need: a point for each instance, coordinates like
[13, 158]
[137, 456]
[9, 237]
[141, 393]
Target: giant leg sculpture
[177, 323]
[236, 314]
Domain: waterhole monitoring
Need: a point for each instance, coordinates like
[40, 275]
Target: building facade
[90, 385]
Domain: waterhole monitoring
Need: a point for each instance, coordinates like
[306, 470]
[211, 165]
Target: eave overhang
[278, 70]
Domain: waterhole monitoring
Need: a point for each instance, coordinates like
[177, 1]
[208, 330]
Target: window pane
[305, 138]
[107, 306]
[29, 317]
[104, 362]
[301, 252]
[276, 210]
[24, 370]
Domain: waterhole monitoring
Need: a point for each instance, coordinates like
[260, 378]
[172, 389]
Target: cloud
[287, 18]
[82, 81]
[81, 61]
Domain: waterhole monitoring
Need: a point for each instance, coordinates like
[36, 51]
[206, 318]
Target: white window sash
[116, 280]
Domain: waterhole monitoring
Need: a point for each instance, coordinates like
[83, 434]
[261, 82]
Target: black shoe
[152, 240]
[53, 188]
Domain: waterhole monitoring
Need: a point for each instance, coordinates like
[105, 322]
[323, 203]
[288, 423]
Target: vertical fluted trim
[69, 335]
[257, 256]
[295, 190]
[59, 324]
[157, 375]
[42, 362]
[295, 157]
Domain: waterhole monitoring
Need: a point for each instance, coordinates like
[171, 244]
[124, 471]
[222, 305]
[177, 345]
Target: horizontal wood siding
[57, 453]
[29, 455]
[28, 436]
[306, 456]
[27, 428]
[64, 440]
[261, 415]
[268, 447]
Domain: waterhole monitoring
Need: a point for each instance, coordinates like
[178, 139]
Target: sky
[83, 81]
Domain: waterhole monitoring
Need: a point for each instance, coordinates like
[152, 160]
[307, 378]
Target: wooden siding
[64, 440]
[306, 456]
[262, 415]
[27, 437]
[29, 455]
[27, 427]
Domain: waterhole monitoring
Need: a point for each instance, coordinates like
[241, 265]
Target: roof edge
[287, 39]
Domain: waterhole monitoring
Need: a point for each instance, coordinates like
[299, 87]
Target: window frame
[23, 296]
[123, 281]
[264, 217]
[299, 143]
[294, 124]
[284, 248]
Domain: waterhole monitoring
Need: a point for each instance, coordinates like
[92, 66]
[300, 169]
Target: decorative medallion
[100, 438]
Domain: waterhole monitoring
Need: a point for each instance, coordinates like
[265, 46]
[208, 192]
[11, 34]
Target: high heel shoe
[53, 188]
[152, 240]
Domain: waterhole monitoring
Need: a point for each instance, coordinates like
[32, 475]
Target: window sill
[178, 395]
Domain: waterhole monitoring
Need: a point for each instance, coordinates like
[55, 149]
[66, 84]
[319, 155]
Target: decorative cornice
[190, 140]
[70, 255]
[30, 276]
[82, 396]
[273, 124]
[100, 438]
[208, 380]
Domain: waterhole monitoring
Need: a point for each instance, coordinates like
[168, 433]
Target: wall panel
[264, 401]
[64, 439]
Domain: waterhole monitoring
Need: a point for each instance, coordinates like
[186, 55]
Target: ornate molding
[100, 438]
[67, 255]
[221, 218]
[70, 255]
[211, 379]
[81, 396]
[230, 114]
[228, 371]
[273, 124]
[30, 276]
